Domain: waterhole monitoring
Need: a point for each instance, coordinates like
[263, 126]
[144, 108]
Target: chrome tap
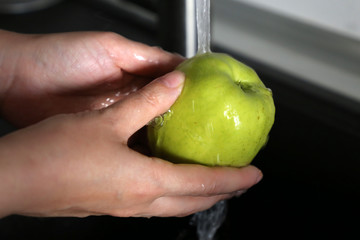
[177, 20]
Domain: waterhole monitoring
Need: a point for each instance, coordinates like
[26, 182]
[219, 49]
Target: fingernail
[174, 79]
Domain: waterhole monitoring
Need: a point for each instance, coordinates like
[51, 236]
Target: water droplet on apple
[159, 121]
[218, 158]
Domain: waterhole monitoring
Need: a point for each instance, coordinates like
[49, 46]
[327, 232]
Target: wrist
[7, 182]
[10, 52]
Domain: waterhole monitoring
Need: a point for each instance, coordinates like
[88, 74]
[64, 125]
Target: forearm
[19, 175]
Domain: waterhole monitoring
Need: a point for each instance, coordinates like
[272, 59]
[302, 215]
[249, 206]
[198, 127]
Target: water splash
[160, 120]
[203, 25]
[108, 101]
[209, 221]
[111, 98]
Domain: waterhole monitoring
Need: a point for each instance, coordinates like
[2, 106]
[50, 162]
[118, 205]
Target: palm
[66, 73]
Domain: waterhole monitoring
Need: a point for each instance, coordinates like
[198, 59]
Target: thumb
[136, 110]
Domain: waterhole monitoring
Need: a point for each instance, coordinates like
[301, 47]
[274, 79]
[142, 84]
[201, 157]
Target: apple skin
[222, 117]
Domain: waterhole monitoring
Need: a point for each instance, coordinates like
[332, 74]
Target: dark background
[311, 184]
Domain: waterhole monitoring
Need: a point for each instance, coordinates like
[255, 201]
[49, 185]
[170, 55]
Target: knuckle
[153, 189]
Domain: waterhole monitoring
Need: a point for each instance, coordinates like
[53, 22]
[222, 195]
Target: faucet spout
[178, 26]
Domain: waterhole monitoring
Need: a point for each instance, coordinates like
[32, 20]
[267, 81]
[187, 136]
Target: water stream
[207, 222]
[203, 25]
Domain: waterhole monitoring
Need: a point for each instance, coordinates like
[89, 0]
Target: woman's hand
[80, 164]
[43, 75]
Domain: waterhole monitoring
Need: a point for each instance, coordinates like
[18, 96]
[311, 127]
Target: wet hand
[80, 164]
[44, 75]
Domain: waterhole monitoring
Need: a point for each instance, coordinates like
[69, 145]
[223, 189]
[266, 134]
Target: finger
[140, 107]
[181, 206]
[138, 58]
[197, 180]
[109, 96]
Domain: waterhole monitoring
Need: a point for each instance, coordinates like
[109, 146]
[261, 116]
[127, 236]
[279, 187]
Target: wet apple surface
[222, 117]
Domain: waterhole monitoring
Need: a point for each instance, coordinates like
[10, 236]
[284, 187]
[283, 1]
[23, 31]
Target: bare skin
[44, 75]
[72, 158]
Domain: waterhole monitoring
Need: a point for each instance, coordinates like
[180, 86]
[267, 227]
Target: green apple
[222, 117]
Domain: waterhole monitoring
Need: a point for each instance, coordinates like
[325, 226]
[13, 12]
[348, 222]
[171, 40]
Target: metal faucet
[177, 20]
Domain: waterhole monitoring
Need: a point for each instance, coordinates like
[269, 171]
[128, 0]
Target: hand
[80, 164]
[70, 72]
